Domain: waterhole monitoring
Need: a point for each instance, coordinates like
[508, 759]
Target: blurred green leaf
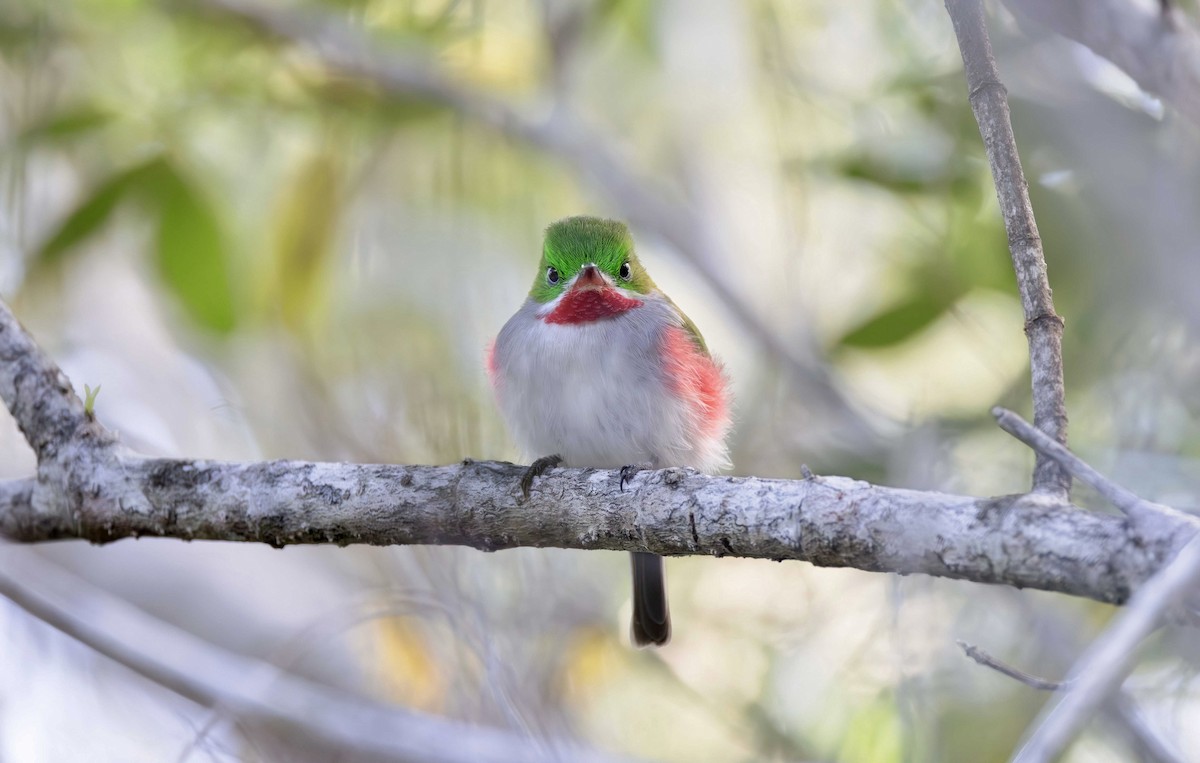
[636, 18]
[897, 323]
[95, 210]
[902, 174]
[190, 250]
[885, 174]
[65, 125]
[350, 98]
[978, 249]
[874, 734]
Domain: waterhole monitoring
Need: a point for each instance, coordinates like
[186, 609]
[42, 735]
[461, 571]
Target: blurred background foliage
[259, 258]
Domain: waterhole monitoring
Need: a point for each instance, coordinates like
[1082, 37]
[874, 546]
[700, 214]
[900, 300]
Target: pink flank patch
[696, 378]
[493, 371]
[586, 305]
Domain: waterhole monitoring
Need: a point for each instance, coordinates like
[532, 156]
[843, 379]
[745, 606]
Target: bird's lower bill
[587, 304]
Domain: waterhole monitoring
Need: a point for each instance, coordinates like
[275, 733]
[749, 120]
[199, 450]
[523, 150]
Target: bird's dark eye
[626, 273]
[551, 275]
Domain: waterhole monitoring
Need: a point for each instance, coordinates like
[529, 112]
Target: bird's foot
[629, 470]
[537, 469]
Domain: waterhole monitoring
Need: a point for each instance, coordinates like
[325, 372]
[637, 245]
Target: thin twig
[1122, 709]
[987, 660]
[1147, 514]
[255, 691]
[1043, 327]
[1100, 671]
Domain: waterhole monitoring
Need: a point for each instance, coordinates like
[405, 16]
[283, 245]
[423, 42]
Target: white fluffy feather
[597, 393]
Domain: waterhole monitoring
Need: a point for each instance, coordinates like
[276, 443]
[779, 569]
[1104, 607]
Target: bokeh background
[254, 258]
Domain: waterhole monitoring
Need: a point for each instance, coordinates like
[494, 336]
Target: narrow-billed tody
[601, 369]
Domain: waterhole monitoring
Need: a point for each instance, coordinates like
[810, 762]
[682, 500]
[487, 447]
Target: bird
[599, 368]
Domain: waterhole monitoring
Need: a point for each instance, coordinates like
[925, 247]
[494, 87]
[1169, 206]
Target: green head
[575, 242]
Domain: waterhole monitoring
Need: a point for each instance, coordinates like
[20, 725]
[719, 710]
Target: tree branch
[1043, 327]
[256, 691]
[1153, 519]
[102, 493]
[1159, 51]
[829, 521]
[1121, 709]
[16, 499]
[1143, 739]
[37, 393]
[1113, 653]
[988, 661]
[1102, 669]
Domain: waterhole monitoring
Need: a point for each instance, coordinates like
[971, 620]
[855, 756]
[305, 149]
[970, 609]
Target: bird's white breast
[595, 393]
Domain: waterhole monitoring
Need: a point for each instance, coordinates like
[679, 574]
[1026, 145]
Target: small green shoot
[89, 399]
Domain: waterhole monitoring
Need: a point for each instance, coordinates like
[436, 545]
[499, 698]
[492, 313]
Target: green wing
[690, 327]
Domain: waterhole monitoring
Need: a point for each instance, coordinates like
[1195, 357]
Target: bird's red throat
[587, 305]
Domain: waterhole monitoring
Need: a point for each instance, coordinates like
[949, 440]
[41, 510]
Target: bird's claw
[537, 469]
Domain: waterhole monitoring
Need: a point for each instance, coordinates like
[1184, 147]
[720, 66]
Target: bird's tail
[651, 619]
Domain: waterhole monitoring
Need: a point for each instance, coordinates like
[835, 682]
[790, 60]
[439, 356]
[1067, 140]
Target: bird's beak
[590, 277]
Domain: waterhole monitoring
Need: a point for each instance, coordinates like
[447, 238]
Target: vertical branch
[1043, 327]
[36, 392]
